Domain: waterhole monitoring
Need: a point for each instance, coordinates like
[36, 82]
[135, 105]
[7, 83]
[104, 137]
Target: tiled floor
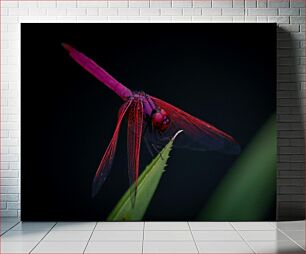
[152, 237]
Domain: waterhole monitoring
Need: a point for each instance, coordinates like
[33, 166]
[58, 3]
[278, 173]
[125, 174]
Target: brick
[9, 197]
[9, 173]
[47, 4]
[291, 134]
[57, 12]
[66, 4]
[222, 19]
[291, 150]
[138, 19]
[150, 12]
[289, 28]
[9, 213]
[13, 205]
[262, 3]
[233, 12]
[222, 3]
[291, 190]
[9, 189]
[181, 19]
[108, 11]
[202, 18]
[250, 3]
[297, 142]
[211, 11]
[8, 181]
[238, 19]
[181, 3]
[262, 19]
[291, 198]
[19, 12]
[2, 205]
[118, 4]
[160, 4]
[76, 11]
[289, 12]
[278, 3]
[171, 11]
[28, 4]
[202, 3]
[192, 11]
[92, 11]
[291, 174]
[94, 4]
[160, 19]
[297, 20]
[128, 12]
[291, 182]
[262, 12]
[297, 3]
[38, 12]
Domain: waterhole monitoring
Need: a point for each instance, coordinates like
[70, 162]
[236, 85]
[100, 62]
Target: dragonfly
[153, 121]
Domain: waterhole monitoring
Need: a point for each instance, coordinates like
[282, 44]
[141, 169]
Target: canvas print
[174, 122]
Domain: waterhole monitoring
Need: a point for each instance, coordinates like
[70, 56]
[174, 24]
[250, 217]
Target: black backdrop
[221, 73]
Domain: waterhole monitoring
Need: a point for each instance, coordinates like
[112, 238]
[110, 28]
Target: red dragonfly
[154, 120]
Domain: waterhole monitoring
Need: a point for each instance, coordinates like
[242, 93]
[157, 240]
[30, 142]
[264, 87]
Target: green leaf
[247, 192]
[147, 185]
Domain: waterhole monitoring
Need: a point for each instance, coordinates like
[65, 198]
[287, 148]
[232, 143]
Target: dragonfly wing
[108, 157]
[198, 134]
[134, 134]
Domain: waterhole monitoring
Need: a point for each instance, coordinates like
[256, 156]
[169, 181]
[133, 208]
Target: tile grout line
[90, 236]
[291, 239]
[42, 238]
[193, 237]
[247, 243]
[143, 231]
[9, 228]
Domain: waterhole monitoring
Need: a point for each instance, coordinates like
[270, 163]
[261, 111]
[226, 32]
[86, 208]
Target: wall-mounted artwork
[172, 122]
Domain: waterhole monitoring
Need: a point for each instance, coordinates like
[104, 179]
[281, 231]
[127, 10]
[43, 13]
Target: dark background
[222, 73]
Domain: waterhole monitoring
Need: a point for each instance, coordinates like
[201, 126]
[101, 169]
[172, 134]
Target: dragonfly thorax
[160, 120]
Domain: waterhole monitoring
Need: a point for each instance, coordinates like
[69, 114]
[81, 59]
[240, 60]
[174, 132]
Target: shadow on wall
[290, 129]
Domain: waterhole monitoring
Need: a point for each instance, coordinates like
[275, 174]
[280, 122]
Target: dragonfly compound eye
[161, 120]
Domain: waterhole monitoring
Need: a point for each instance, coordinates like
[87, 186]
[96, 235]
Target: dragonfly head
[160, 120]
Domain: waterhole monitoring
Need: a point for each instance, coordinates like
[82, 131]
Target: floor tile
[211, 226]
[276, 247]
[273, 235]
[69, 236]
[63, 226]
[114, 247]
[169, 247]
[291, 225]
[9, 220]
[60, 247]
[7, 225]
[17, 247]
[166, 226]
[296, 235]
[120, 226]
[216, 236]
[23, 236]
[99, 236]
[33, 226]
[223, 247]
[256, 225]
[169, 236]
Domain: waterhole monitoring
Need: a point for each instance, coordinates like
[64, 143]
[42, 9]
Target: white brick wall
[289, 14]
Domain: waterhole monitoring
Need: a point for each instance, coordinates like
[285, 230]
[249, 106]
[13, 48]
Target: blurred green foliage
[248, 190]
